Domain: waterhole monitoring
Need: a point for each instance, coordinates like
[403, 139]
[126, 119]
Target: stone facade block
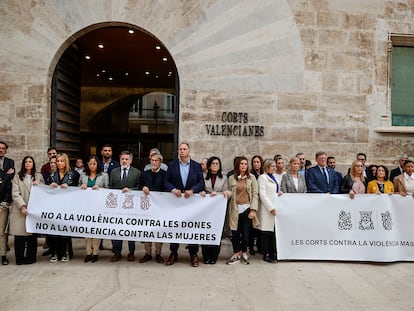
[36, 94]
[305, 18]
[298, 103]
[340, 135]
[349, 61]
[361, 40]
[292, 134]
[309, 37]
[33, 111]
[344, 103]
[329, 38]
[316, 59]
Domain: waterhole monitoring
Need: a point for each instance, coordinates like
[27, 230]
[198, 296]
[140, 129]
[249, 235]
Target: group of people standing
[250, 191]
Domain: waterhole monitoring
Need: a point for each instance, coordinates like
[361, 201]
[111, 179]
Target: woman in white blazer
[268, 189]
[25, 244]
[94, 178]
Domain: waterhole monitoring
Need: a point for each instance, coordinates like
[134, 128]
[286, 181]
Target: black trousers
[268, 242]
[25, 249]
[240, 237]
[210, 252]
[59, 245]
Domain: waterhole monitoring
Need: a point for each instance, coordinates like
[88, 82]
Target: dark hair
[126, 152]
[330, 157]
[361, 154]
[209, 161]
[261, 163]
[51, 148]
[372, 166]
[22, 172]
[106, 145]
[308, 163]
[3, 143]
[98, 168]
[237, 167]
[407, 161]
[385, 169]
[235, 160]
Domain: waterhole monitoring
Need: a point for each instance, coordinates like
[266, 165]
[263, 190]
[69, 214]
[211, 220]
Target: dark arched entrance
[115, 84]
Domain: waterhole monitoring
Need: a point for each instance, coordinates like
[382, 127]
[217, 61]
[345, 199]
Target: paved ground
[260, 286]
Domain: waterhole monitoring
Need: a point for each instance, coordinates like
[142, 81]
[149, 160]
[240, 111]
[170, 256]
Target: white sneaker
[65, 257]
[245, 259]
[233, 259]
[53, 258]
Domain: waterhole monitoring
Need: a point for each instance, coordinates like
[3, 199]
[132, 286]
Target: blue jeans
[117, 246]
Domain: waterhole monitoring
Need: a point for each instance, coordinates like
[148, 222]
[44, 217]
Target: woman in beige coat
[268, 188]
[243, 205]
[25, 244]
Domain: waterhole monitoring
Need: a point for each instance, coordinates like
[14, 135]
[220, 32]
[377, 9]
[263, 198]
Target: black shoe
[94, 258]
[145, 258]
[87, 258]
[29, 261]
[46, 253]
[159, 259]
[4, 261]
[207, 261]
[269, 258]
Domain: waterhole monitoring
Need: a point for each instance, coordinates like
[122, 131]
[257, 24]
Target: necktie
[124, 175]
[325, 173]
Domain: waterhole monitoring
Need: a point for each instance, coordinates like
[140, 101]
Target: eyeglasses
[301, 158]
[361, 159]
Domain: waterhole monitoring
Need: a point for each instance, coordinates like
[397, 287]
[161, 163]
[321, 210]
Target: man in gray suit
[124, 177]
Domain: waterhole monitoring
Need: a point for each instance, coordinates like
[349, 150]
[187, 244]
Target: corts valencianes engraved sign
[235, 124]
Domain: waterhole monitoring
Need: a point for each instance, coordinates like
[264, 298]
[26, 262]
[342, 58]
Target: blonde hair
[352, 172]
[65, 159]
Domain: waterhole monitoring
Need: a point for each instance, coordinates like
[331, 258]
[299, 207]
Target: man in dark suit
[320, 178]
[107, 164]
[124, 177]
[153, 179]
[7, 167]
[184, 177]
[6, 164]
[400, 169]
[332, 165]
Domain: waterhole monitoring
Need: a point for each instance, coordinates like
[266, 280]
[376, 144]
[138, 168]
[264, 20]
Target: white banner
[333, 227]
[111, 214]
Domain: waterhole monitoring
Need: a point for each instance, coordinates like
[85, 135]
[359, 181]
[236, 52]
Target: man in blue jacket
[184, 177]
[321, 178]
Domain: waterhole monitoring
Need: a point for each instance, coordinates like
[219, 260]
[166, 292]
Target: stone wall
[313, 73]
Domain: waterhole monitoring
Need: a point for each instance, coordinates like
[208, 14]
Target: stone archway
[112, 76]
